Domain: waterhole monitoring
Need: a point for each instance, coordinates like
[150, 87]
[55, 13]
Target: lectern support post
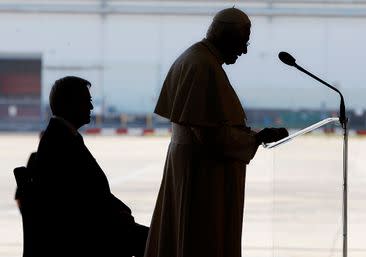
[345, 188]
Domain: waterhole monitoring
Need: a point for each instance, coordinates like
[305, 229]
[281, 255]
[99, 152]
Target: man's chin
[86, 121]
[231, 60]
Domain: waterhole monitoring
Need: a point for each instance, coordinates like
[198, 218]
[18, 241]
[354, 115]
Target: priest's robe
[199, 209]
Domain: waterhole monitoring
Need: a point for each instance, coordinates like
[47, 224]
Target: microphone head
[287, 58]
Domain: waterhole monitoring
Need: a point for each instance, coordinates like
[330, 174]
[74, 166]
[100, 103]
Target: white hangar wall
[127, 55]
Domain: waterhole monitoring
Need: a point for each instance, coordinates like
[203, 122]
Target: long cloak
[199, 210]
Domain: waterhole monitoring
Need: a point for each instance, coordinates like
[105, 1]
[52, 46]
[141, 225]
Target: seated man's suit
[77, 214]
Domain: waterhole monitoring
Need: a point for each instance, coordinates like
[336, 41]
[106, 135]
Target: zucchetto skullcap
[232, 16]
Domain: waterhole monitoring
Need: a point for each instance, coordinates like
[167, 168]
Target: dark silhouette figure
[19, 194]
[73, 212]
[199, 209]
[24, 200]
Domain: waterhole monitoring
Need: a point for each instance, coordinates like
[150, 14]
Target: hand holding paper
[268, 135]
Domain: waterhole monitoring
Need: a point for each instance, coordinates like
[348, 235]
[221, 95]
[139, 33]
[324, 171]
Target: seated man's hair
[64, 92]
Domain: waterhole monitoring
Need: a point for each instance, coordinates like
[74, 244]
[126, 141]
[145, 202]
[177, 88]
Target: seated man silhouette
[77, 213]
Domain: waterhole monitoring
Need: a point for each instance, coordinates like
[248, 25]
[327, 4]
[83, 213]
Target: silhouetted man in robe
[199, 210]
[77, 213]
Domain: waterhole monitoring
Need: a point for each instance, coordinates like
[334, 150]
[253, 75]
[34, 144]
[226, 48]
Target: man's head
[230, 32]
[70, 99]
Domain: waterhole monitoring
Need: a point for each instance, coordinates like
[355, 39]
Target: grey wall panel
[126, 57]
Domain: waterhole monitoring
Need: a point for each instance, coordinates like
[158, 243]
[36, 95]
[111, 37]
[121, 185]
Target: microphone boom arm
[342, 108]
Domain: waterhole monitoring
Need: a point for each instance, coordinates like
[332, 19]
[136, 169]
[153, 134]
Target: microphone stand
[344, 122]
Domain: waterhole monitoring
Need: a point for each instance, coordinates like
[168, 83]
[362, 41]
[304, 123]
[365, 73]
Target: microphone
[288, 59]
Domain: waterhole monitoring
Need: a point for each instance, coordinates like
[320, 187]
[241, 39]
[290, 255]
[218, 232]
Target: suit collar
[67, 124]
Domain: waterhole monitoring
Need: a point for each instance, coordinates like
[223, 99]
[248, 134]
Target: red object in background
[121, 131]
[148, 131]
[361, 132]
[20, 90]
[93, 131]
[20, 84]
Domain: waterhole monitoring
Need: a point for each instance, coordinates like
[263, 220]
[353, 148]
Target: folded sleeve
[229, 142]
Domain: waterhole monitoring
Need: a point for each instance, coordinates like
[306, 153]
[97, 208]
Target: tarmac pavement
[293, 202]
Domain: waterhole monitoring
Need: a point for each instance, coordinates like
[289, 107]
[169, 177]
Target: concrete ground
[293, 196]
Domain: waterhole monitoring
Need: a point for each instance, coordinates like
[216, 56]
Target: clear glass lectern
[307, 194]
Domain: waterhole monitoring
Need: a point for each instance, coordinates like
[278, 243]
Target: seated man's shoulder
[55, 139]
[51, 137]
